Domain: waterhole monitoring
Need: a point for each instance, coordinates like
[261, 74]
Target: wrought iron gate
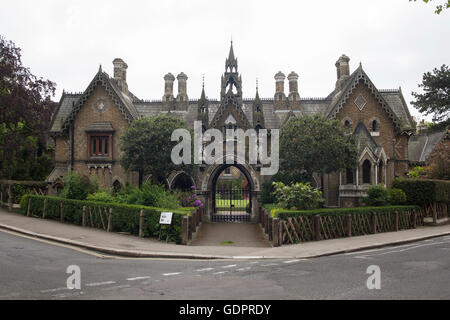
[232, 204]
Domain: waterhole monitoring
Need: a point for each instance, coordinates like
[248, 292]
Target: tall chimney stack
[293, 86]
[168, 87]
[120, 74]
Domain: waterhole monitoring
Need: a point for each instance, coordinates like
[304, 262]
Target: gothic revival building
[86, 127]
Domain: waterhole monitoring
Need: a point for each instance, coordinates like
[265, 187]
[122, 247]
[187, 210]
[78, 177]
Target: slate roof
[420, 146]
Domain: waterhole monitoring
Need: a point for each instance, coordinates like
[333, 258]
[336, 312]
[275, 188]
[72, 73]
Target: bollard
[270, 229]
[414, 219]
[374, 222]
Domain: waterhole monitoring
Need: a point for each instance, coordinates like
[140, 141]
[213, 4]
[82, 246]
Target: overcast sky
[65, 41]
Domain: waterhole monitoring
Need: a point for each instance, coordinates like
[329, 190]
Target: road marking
[204, 269]
[96, 284]
[138, 278]
[171, 274]
[221, 272]
[291, 261]
[54, 290]
[269, 265]
[243, 269]
[401, 250]
[117, 287]
[229, 266]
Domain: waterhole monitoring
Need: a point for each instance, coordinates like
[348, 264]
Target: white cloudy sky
[66, 41]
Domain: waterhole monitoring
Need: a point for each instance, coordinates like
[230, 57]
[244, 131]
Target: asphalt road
[36, 269]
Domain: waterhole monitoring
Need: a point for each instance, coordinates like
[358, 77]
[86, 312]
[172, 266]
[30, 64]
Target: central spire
[231, 61]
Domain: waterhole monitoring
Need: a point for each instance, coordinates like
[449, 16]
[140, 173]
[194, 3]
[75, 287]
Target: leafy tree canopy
[313, 144]
[25, 113]
[445, 5]
[147, 146]
[435, 98]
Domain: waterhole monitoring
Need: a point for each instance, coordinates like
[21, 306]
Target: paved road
[32, 269]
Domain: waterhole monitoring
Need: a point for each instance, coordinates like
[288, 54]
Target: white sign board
[165, 218]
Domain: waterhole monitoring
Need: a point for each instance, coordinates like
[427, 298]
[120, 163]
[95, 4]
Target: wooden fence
[323, 227]
[190, 223]
[8, 192]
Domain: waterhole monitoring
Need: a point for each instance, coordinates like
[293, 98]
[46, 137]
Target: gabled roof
[123, 102]
[230, 100]
[341, 97]
[364, 139]
[420, 146]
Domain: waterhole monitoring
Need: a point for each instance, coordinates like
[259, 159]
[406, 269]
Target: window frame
[97, 137]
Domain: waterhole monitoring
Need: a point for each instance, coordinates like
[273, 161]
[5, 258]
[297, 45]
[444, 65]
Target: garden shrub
[397, 196]
[424, 191]
[300, 196]
[377, 195]
[78, 186]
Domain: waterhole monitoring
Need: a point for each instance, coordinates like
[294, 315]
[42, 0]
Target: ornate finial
[203, 81]
[100, 68]
[256, 83]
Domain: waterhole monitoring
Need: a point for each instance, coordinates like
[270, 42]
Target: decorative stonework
[101, 105]
[360, 102]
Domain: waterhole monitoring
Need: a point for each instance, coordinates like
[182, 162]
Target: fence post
[374, 222]
[28, 206]
[317, 227]
[109, 228]
[270, 228]
[193, 221]
[414, 219]
[185, 229]
[348, 225]
[276, 232]
[61, 214]
[45, 209]
[10, 201]
[141, 223]
[83, 217]
[189, 227]
[396, 220]
[259, 214]
[435, 215]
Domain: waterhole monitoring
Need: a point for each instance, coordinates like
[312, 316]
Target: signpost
[165, 218]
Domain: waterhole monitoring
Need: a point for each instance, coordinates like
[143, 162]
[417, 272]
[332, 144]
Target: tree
[439, 161]
[439, 7]
[436, 97]
[313, 144]
[147, 147]
[25, 113]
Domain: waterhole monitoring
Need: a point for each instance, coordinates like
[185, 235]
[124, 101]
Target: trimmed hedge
[19, 188]
[424, 191]
[283, 214]
[125, 217]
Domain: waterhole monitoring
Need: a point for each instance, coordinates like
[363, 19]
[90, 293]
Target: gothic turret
[231, 80]
[258, 115]
[203, 109]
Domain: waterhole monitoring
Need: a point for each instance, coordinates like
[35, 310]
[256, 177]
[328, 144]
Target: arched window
[380, 172]
[366, 168]
[117, 186]
[348, 124]
[375, 126]
[349, 176]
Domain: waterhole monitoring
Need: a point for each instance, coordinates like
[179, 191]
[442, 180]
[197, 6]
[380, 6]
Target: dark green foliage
[436, 97]
[314, 144]
[77, 186]
[19, 188]
[424, 191]
[377, 195]
[397, 196]
[125, 217]
[284, 214]
[25, 114]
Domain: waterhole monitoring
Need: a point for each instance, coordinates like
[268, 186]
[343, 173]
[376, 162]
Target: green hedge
[283, 214]
[19, 188]
[125, 217]
[424, 191]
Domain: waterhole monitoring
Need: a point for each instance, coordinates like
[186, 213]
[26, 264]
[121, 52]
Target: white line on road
[96, 284]
[171, 274]
[401, 250]
[229, 266]
[54, 290]
[204, 269]
[243, 269]
[220, 272]
[138, 278]
[117, 287]
[291, 261]
[269, 265]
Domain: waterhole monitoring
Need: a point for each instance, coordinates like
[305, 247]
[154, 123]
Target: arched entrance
[231, 194]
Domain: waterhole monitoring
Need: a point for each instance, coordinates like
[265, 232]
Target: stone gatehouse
[86, 127]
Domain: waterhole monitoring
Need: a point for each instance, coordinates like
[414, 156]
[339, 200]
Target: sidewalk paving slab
[132, 246]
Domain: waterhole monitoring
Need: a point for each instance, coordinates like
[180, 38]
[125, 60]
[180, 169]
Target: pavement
[229, 245]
